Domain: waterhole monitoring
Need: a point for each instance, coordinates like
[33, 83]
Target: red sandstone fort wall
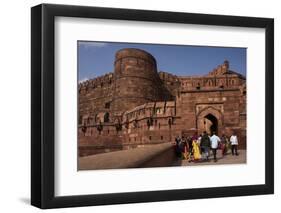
[93, 96]
[136, 80]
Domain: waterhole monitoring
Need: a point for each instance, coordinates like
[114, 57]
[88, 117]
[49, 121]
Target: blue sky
[97, 58]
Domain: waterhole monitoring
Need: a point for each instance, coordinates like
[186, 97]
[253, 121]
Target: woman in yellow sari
[196, 150]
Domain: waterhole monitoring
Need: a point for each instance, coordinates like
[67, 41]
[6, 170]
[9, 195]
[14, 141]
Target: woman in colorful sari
[196, 150]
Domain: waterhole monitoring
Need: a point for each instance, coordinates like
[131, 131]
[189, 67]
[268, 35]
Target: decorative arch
[210, 119]
[209, 109]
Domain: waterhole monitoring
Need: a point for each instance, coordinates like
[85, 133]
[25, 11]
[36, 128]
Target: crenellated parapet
[103, 81]
[95, 96]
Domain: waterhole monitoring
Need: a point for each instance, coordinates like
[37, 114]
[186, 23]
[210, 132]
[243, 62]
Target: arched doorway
[106, 117]
[211, 124]
[210, 120]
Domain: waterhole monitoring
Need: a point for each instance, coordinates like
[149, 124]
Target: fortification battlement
[100, 81]
[165, 76]
[220, 77]
[134, 53]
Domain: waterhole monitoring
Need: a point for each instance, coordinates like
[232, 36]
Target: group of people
[197, 148]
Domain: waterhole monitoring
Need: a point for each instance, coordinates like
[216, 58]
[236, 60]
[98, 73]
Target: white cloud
[82, 80]
[86, 44]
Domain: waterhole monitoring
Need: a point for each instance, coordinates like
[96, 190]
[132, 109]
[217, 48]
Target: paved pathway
[227, 159]
[131, 158]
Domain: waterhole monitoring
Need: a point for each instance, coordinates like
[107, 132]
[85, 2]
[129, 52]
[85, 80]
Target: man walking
[214, 145]
[234, 143]
[205, 145]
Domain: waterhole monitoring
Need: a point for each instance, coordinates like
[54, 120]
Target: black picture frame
[43, 110]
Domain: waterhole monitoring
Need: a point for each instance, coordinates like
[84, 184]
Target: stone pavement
[131, 158]
[227, 159]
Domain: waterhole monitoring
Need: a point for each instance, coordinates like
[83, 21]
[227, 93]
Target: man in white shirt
[234, 143]
[214, 145]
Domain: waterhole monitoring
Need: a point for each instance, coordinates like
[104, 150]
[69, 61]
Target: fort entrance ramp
[145, 156]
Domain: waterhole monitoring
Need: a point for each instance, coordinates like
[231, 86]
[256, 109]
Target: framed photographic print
[139, 106]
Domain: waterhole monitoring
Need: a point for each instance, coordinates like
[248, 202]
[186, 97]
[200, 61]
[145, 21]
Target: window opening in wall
[107, 105]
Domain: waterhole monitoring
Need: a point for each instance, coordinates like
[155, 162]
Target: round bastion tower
[136, 79]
